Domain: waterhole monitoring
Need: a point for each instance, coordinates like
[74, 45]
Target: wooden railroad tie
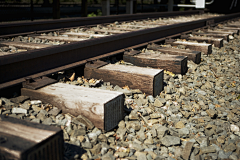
[156, 23]
[215, 35]
[220, 32]
[123, 29]
[233, 29]
[109, 31]
[233, 25]
[24, 140]
[23, 45]
[83, 34]
[203, 47]
[195, 56]
[218, 42]
[148, 80]
[59, 38]
[174, 63]
[136, 26]
[102, 107]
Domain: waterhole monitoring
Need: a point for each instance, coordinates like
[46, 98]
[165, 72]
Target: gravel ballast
[196, 116]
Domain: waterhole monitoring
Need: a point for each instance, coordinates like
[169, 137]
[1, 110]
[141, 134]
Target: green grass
[99, 13]
[181, 9]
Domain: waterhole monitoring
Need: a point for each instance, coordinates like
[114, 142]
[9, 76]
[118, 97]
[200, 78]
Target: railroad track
[107, 45]
[155, 54]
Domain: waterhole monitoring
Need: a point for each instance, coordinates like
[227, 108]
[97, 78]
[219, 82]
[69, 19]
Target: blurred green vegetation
[238, 97]
[181, 9]
[99, 13]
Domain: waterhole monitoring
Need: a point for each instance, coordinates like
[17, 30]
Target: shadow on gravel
[73, 151]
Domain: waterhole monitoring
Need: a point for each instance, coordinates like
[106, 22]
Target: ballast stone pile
[195, 117]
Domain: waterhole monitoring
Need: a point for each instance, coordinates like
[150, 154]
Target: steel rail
[15, 67]
[26, 27]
